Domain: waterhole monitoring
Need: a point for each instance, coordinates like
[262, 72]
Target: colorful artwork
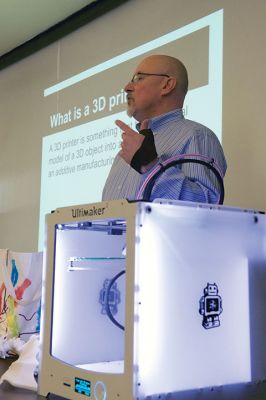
[20, 294]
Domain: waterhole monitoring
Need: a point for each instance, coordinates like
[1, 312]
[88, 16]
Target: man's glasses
[140, 75]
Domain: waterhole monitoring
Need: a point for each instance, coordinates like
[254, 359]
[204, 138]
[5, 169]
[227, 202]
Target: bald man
[155, 98]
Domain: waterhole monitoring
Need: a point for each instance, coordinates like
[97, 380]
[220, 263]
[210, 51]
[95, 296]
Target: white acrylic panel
[180, 250]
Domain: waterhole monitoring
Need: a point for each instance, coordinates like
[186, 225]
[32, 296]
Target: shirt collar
[164, 118]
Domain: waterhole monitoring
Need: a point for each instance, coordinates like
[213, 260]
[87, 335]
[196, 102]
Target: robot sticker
[210, 306]
[114, 297]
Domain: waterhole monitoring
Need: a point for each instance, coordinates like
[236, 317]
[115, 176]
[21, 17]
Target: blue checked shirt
[174, 135]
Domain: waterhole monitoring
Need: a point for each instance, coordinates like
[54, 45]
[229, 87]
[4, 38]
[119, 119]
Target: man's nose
[129, 87]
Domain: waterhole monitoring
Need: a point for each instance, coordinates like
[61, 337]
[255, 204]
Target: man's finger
[122, 125]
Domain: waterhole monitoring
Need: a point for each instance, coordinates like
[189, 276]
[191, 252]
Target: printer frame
[64, 378]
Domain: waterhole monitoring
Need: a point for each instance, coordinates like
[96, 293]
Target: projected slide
[82, 139]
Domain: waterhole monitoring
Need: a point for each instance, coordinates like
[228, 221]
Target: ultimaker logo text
[89, 212]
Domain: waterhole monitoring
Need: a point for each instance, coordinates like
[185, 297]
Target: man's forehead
[141, 65]
[150, 64]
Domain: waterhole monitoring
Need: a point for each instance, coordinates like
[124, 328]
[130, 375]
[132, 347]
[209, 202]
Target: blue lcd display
[82, 386]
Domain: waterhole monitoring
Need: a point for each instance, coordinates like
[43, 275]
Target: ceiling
[22, 20]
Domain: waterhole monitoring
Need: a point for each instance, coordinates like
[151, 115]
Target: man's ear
[168, 85]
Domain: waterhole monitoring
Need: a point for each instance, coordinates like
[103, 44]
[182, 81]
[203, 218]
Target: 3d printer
[162, 300]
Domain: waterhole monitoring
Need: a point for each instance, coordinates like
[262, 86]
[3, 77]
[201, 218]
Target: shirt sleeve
[192, 181]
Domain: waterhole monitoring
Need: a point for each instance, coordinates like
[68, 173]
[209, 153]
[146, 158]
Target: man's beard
[130, 112]
[130, 108]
